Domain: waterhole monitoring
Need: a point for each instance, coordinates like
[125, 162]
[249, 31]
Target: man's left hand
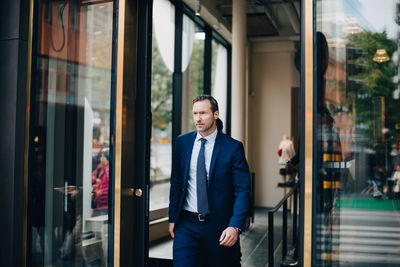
[229, 237]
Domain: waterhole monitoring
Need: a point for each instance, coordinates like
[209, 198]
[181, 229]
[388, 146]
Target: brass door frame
[118, 131]
[308, 113]
[26, 148]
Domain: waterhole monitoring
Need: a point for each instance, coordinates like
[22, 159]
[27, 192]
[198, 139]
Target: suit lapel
[217, 148]
[188, 152]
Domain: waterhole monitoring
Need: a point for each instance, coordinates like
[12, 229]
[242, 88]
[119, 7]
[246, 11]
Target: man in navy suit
[210, 188]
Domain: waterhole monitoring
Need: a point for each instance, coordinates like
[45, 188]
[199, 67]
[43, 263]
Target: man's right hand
[171, 229]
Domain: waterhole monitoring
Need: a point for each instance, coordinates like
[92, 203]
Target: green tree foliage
[195, 74]
[196, 68]
[375, 80]
[161, 84]
[161, 91]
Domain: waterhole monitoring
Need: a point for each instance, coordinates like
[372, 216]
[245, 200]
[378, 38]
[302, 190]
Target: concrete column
[239, 41]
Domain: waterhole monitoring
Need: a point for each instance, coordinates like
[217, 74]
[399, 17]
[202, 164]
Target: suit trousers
[196, 244]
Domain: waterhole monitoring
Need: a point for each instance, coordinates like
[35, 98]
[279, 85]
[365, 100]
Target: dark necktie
[202, 200]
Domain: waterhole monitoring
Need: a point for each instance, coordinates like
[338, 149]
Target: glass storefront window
[70, 174]
[193, 69]
[219, 78]
[161, 102]
[357, 170]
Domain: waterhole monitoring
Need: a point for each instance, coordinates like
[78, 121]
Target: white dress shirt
[191, 196]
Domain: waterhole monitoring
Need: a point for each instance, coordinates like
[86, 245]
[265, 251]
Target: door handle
[138, 192]
[132, 192]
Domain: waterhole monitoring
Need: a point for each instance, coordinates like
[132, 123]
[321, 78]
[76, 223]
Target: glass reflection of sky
[353, 16]
[376, 13]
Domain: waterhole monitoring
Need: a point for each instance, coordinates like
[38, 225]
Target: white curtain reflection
[187, 41]
[219, 86]
[164, 29]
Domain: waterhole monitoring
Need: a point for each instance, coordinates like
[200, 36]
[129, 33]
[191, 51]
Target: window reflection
[70, 173]
[161, 102]
[193, 75]
[358, 159]
[219, 78]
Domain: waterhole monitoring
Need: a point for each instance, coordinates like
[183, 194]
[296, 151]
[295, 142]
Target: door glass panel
[70, 159]
[161, 102]
[219, 78]
[193, 69]
[357, 170]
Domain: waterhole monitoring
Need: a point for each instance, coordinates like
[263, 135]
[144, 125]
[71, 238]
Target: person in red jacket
[100, 184]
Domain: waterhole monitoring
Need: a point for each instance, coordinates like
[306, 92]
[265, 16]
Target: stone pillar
[239, 42]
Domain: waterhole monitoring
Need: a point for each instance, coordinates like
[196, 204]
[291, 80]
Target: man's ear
[216, 114]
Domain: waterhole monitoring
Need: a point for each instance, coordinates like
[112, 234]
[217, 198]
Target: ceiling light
[381, 56]
[198, 9]
[200, 36]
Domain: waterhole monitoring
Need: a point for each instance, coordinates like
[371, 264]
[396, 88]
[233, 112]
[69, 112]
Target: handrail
[288, 194]
[283, 203]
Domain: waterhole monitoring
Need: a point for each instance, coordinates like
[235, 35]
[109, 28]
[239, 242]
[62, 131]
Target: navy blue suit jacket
[228, 182]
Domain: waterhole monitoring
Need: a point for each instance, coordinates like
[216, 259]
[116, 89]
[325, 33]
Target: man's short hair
[214, 103]
[214, 107]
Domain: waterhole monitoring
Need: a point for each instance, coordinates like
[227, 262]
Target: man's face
[203, 117]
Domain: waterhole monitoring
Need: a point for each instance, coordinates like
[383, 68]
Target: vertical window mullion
[229, 92]
[177, 77]
[207, 60]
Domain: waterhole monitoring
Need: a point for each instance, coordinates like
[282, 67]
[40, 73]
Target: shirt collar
[210, 138]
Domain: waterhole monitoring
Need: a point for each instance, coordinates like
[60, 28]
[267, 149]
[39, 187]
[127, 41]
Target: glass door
[357, 134]
[71, 159]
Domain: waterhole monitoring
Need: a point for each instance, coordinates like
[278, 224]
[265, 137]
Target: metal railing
[283, 202]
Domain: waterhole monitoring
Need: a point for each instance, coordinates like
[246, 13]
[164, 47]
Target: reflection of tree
[161, 84]
[195, 70]
[161, 91]
[372, 80]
